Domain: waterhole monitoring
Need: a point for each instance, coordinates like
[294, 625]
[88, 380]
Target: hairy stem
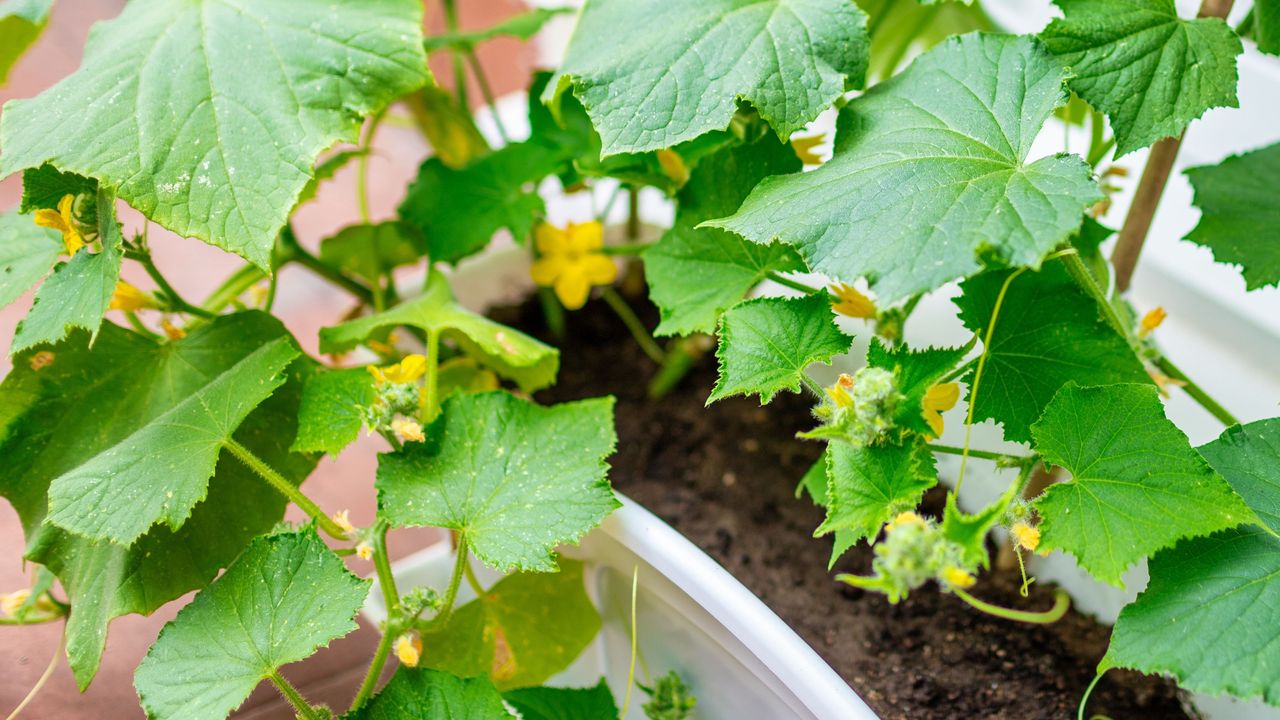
[459, 72]
[1199, 395]
[391, 598]
[284, 487]
[362, 167]
[633, 323]
[1019, 460]
[1061, 603]
[455, 581]
[430, 401]
[472, 580]
[290, 693]
[486, 91]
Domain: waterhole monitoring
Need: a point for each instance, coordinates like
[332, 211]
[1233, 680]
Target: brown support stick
[1154, 177]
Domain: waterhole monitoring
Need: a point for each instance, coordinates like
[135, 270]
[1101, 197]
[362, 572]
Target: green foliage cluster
[155, 456]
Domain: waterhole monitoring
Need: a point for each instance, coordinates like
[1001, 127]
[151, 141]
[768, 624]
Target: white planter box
[692, 616]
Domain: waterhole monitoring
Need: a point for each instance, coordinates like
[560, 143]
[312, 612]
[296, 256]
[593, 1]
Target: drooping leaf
[460, 210]
[521, 26]
[1137, 485]
[914, 372]
[207, 116]
[526, 628]
[160, 469]
[449, 127]
[27, 253]
[371, 251]
[1048, 334]
[514, 479]
[21, 22]
[869, 485]
[970, 531]
[78, 293]
[77, 402]
[766, 344]
[1150, 71]
[930, 174]
[332, 410]
[1240, 219]
[554, 703]
[672, 80]
[425, 694]
[286, 596]
[1211, 614]
[694, 273]
[510, 353]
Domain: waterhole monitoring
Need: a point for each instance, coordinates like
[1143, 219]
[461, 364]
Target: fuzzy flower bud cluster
[861, 407]
[396, 394]
[913, 552]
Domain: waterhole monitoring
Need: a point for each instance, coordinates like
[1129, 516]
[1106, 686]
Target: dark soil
[724, 476]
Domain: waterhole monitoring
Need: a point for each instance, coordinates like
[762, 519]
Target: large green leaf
[681, 67]
[1048, 334]
[513, 478]
[425, 694]
[208, 115]
[868, 485]
[333, 410]
[27, 253]
[84, 402]
[1240, 218]
[78, 293]
[523, 630]
[21, 22]
[766, 344]
[1150, 71]
[553, 703]
[1137, 485]
[697, 273]
[930, 173]
[1211, 614]
[510, 353]
[286, 596]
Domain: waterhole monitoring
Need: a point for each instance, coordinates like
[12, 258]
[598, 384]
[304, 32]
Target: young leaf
[1240, 219]
[371, 251]
[521, 26]
[78, 293]
[512, 354]
[869, 485]
[1209, 615]
[332, 411]
[514, 479]
[286, 596]
[914, 371]
[460, 210]
[1137, 485]
[1048, 334]
[27, 253]
[525, 629]
[766, 344]
[424, 694]
[664, 82]
[1150, 71]
[170, 112]
[930, 173]
[970, 531]
[697, 273]
[21, 22]
[548, 703]
[76, 403]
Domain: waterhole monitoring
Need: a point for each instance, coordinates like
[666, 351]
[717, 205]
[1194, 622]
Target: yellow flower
[409, 650]
[956, 577]
[852, 303]
[62, 221]
[364, 551]
[1151, 321]
[570, 261]
[129, 298]
[938, 400]
[406, 371]
[342, 519]
[1164, 382]
[410, 430]
[10, 602]
[171, 331]
[673, 166]
[839, 393]
[905, 518]
[1026, 536]
[804, 149]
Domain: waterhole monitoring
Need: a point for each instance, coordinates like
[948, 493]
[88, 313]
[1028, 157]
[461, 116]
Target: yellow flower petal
[1026, 536]
[408, 650]
[45, 217]
[129, 298]
[598, 269]
[673, 166]
[585, 237]
[342, 519]
[10, 602]
[62, 221]
[550, 240]
[938, 399]
[852, 303]
[407, 370]
[544, 271]
[376, 372]
[804, 149]
[1151, 321]
[956, 577]
[572, 288]
[408, 429]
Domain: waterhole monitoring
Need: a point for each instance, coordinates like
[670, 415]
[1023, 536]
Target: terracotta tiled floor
[306, 304]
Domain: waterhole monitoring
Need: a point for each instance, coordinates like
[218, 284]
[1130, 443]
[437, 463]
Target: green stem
[793, 284]
[176, 301]
[680, 357]
[477, 70]
[233, 287]
[552, 311]
[459, 73]
[1061, 603]
[455, 581]
[1019, 460]
[1199, 395]
[290, 693]
[284, 487]
[362, 167]
[1087, 693]
[299, 254]
[1099, 144]
[959, 372]
[637, 328]
[431, 390]
[473, 581]
[813, 386]
[136, 323]
[391, 598]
